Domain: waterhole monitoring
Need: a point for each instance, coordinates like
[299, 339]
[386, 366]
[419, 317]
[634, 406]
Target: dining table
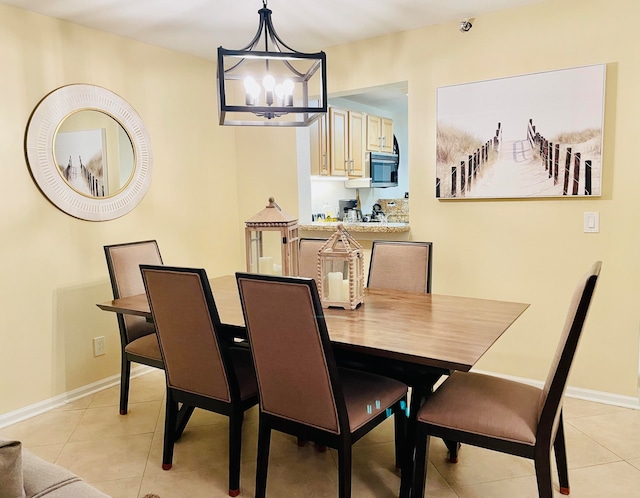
[420, 336]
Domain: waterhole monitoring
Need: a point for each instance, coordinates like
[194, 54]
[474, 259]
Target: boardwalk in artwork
[517, 172]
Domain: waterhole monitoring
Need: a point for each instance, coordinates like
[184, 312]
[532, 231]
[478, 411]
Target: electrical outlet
[98, 346]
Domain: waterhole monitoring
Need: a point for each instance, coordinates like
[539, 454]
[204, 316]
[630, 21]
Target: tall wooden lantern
[271, 238]
[341, 271]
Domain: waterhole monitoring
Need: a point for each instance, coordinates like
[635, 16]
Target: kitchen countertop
[323, 226]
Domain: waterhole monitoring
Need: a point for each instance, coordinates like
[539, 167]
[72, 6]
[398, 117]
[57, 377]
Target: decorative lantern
[341, 271]
[271, 238]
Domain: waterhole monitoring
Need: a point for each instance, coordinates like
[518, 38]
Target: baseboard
[602, 397]
[68, 397]
[581, 393]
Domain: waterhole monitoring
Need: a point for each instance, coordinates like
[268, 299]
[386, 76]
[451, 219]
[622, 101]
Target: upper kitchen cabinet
[379, 134]
[319, 146]
[346, 142]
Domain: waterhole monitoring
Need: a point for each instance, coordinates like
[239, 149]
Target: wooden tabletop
[441, 331]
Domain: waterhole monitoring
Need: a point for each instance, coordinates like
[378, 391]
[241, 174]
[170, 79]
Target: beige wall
[524, 250]
[52, 265]
[208, 179]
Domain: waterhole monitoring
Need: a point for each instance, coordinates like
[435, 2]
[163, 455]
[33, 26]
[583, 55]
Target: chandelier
[277, 86]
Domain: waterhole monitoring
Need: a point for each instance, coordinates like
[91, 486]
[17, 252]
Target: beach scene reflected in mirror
[94, 153]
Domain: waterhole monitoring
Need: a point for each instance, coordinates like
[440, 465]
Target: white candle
[265, 265]
[345, 289]
[277, 269]
[335, 286]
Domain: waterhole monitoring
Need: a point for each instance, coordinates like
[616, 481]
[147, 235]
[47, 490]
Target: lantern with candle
[341, 271]
[271, 238]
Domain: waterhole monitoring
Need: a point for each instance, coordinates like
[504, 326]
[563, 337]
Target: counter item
[344, 205]
[396, 210]
[376, 215]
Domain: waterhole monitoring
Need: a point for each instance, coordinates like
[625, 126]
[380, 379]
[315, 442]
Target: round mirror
[88, 152]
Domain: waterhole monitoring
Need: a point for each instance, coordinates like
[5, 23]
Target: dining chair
[138, 340]
[403, 266]
[508, 416]
[400, 265]
[202, 367]
[302, 391]
[308, 256]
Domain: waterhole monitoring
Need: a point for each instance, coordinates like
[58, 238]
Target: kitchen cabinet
[346, 142]
[379, 134]
[319, 146]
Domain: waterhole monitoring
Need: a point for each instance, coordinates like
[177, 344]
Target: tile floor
[121, 455]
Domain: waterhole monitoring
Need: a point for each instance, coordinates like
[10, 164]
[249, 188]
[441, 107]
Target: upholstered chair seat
[362, 391]
[146, 345]
[485, 405]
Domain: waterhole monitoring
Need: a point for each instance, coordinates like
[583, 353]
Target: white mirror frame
[39, 143]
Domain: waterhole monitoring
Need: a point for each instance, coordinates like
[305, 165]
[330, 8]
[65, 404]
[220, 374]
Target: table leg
[418, 394]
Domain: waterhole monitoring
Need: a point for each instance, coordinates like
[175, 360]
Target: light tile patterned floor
[121, 455]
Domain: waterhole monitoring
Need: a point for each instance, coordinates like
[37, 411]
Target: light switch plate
[591, 222]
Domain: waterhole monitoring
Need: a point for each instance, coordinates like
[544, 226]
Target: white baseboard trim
[49, 404]
[581, 393]
[68, 397]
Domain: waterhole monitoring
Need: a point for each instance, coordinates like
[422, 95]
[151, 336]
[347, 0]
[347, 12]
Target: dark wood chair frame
[342, 442]
[177, 417]
[551, 413]
[127, 358]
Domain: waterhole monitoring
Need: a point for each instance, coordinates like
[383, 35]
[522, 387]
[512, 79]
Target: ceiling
[199, 27]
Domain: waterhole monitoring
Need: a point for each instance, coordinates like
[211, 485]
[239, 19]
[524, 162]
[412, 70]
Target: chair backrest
[294, 363]
[308, 257]
[123, 262]
[403, 266]
[186, 320]
[554, 387]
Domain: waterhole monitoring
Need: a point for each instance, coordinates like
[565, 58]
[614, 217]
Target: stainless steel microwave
[382, 169]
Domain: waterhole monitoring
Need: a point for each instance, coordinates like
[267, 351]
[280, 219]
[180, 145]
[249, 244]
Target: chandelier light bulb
[288, 86]
[280, 92]
[252, 91]
[269, 83]
[249, 84]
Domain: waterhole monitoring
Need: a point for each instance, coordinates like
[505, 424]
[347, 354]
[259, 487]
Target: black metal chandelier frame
[306, 113]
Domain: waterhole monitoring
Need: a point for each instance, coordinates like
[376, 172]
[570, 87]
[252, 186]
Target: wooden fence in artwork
[95, 184]
[550, 156]
[471, 166]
